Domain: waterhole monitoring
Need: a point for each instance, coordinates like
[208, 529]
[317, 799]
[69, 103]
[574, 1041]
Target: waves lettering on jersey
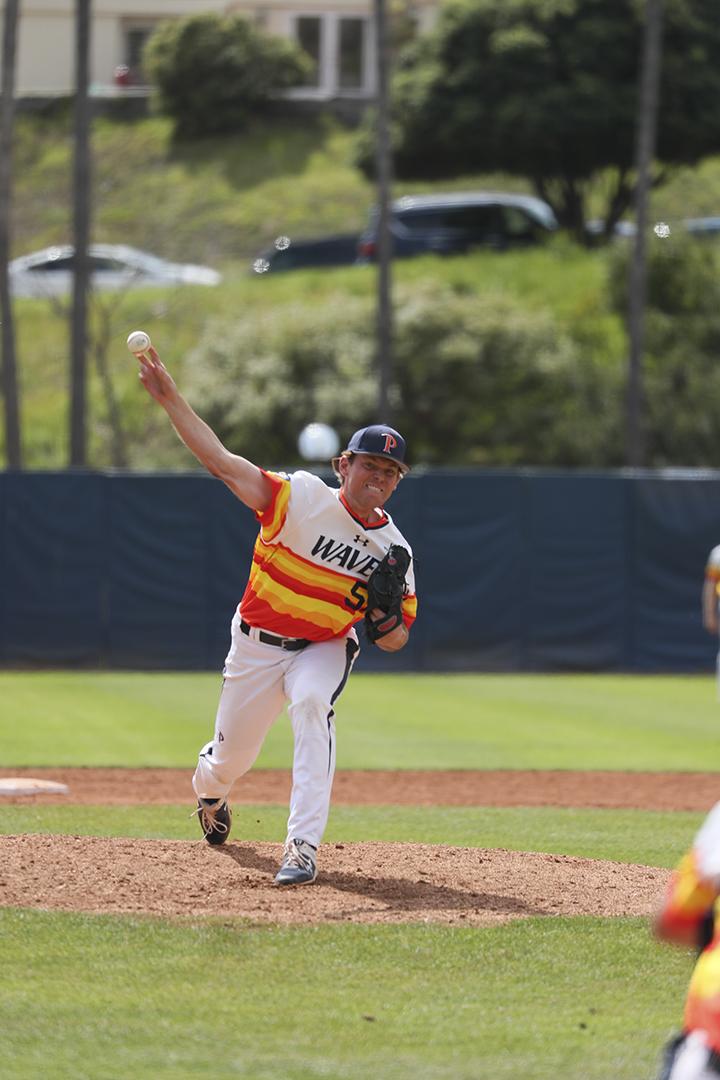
[347, 556]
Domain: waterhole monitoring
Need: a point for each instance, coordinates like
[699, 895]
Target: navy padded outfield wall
[517, 570]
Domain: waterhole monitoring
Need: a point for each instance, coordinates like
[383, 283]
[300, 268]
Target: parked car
[339, 249]
[112, 266]
[455, 223]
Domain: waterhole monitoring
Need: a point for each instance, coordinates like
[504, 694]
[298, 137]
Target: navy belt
[291, 644]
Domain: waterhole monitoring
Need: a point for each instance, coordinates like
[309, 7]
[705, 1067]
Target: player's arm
[685, 934]
[686, 915]
[244, 479]
[710, 606]
[689, 935]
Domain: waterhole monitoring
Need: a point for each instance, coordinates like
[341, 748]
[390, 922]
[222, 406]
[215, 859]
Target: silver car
[112, 267]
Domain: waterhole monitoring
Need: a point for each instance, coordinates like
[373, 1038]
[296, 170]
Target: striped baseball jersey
[312, 559]
[712, 567]
[694, 889]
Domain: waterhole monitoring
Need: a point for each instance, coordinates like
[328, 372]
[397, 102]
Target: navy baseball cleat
[215, 818]
[298, 865]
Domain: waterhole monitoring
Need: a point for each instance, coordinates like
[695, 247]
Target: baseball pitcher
[325, 558]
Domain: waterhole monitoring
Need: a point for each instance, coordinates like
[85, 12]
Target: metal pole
[383, 158]
[10, 392]
[81, 216]
[645, 149]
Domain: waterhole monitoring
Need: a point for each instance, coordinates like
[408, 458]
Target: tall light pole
[637, 292]
[383, 168]
[10, 392]
[81, 226]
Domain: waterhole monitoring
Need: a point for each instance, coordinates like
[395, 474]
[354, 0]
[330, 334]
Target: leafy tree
[547, 90]
[681, 373]
[212, 72]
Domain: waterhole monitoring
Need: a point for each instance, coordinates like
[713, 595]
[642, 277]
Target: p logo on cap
[381, 440]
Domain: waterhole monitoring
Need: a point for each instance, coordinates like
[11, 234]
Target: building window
[351, 54]
[308, 34]
[135, 39]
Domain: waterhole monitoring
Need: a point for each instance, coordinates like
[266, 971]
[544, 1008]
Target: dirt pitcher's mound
[363, 883]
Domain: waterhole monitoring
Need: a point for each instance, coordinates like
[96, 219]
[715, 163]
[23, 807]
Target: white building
[337, 34]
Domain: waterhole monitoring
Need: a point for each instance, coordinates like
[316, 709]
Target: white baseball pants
[259, 680]
[691, 1060]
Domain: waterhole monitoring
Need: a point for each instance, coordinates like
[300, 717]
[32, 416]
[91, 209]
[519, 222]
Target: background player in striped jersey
[293, 637]
[711, 586]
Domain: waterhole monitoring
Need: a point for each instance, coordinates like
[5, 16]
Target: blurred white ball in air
[261, 266]
[662, 230]
[282, 243]
[318, 442]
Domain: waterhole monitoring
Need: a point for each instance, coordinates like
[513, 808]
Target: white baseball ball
[138, 341]
[318, 442]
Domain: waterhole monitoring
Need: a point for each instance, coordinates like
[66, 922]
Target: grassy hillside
[220, 202]
[569, 280]
[217, 201]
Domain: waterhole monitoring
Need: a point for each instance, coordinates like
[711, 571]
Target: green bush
[682, 341]
[478, 379]
[213, 73]
[484, 380]
[258, 381]
[681, 277]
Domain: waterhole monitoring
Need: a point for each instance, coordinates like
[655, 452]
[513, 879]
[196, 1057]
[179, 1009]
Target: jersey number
[359, 591]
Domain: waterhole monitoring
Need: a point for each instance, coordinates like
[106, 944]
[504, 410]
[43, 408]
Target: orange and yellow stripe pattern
[272, 521]
[295, 597]
[688, 900]
[712, 568]
[702, 1007]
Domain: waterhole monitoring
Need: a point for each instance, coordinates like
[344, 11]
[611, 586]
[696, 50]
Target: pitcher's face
[368, 481]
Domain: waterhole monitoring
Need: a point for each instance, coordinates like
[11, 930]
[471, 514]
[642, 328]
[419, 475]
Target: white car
[112, 266]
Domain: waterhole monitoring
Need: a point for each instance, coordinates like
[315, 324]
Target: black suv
[337, 250]
[454, 223]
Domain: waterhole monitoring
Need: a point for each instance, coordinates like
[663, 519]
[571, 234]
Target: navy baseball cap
[381, 440]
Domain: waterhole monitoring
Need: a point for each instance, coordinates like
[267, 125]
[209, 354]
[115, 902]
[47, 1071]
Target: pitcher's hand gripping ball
[138, 342]
[386, 589]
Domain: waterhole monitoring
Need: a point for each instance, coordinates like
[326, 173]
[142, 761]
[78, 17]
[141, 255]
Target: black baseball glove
[386, 588]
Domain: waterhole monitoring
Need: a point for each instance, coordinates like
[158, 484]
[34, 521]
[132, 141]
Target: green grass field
[546, 999]
[584, 998]
[651, 838]
[385, 722]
